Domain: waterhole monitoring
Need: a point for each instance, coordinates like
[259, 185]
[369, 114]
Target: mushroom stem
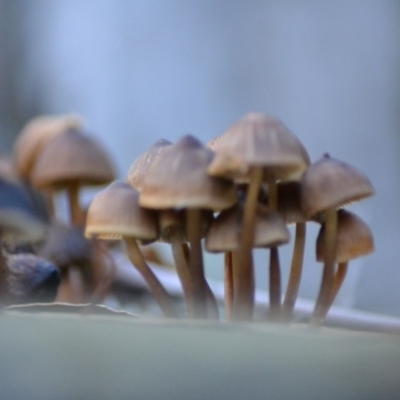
[193, 221]
[228, 282]
[295, 272]
[76, 213]
[324, 297]
[243, 308]
[181, 254]
[243, 274]
[338, 280]
[274, 264]
[274, 285]
[213, 312]
[160, 294]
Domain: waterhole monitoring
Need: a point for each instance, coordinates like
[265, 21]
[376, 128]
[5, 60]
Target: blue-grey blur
[143, 69]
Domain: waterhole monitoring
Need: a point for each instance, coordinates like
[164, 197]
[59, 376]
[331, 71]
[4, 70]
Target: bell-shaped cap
[225, 232]
[258, 140]
[330, 183]
[354, 238]
[178, 179]
[35, 135]
[139, 167]
[115, 213]
[72, 158]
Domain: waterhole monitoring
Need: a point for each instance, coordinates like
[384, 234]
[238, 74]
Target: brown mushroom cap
[35, 135]
[139, 167]
[115, 213]
[330, 183]
[72, 158]
[354, 238]
[178, 179]
[259, 140]
[225, 232]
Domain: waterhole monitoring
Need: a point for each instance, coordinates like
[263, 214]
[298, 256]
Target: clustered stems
[74, 205]
[157, 289]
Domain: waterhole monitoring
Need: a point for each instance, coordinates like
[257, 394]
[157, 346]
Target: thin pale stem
[324, 297]
[243, 273]
[295, 272]
[228, 282]
[338, 279]
[274, 285]
[157, 289]
[193, 221]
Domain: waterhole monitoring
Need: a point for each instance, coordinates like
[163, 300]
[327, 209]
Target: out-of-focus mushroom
[327, 185]
[70, 161]
[115, 214]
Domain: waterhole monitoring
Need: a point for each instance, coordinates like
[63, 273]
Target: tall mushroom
[178, 179]
[115, 214]
[327, 185]
[171, 226]
[258, 148]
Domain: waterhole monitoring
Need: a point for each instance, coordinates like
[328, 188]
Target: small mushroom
[327, 185]
[354, 240]
[115, 214]
[263, 149]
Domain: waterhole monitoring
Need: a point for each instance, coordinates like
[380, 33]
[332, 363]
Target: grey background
[141, 70]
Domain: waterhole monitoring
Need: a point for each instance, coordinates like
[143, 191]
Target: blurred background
[140, 70]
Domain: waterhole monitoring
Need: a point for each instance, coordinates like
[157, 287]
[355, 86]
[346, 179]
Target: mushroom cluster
[237, 193]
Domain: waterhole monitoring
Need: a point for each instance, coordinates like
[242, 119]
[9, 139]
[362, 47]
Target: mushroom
[258, 148]
[70, 161]
[327, 185]
[354, 239]
[115, 214]
[225, 235]
[171, 227]
[178, 179]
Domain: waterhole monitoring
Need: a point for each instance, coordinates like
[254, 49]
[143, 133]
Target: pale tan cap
[330, 183]
[115, 213]
[354, 238]
[178, 179]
